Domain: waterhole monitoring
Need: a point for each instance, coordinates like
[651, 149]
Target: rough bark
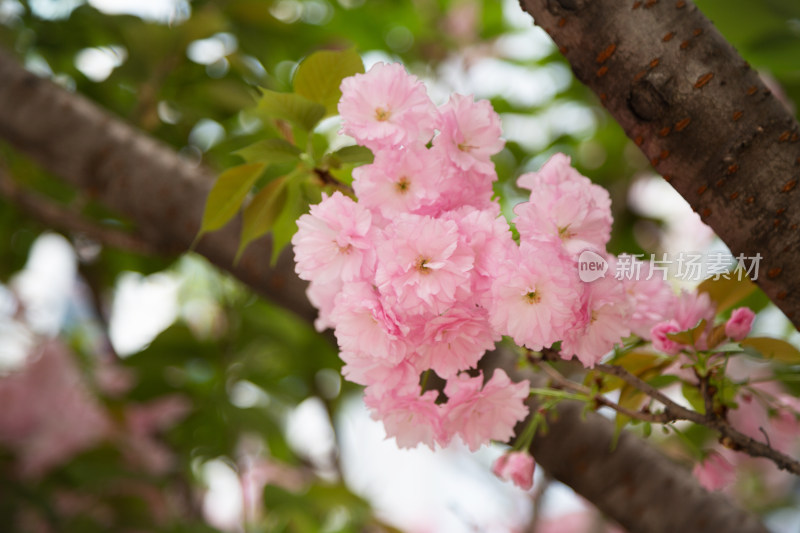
[702, 117]
[164, 196]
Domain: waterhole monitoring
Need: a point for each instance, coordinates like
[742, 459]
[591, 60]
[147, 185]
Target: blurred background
[149, 393]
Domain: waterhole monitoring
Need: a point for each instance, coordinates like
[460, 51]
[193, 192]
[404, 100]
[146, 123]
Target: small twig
[560, 380]
[730, 437]
[329, 179]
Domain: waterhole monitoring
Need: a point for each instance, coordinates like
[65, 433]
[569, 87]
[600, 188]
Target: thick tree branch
[55, 216]
[164, 195]
[133, 174]
[702, 117]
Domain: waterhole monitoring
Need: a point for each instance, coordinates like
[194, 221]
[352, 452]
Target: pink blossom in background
[482, 413]
[692, 307]
[469, 134]
[48, 413]
[334, 241]
[714, 472]
[516, 467]
[740, 323]
[386, 107]
[652, 300]
[660, 340]
[143, 422]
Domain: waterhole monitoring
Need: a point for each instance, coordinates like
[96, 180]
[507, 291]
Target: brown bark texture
[164, 195]
[700, 114]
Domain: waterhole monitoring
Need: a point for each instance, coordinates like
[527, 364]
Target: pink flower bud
[517, 467]
[661, 341]
[738, 325]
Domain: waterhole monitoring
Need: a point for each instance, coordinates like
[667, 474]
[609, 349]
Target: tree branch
[700, 114]
[53, 215]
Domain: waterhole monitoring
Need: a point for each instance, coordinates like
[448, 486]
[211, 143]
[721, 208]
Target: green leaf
[727, 292]
[285, 226]
[292, 107]
[227, 195]
[777, 349]
[270, 151]
[261, 213]
[690, 336]
[319, 76]
[662, 381]
[693, 396]
[354, 155]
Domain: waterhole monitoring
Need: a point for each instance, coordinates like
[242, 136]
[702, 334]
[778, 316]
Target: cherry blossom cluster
[421, 274]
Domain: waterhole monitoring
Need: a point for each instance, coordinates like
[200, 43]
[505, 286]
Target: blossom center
[402, 185]
[564, 233]
[464, 147]
[422, 265]
[382, 115]
[533, 297]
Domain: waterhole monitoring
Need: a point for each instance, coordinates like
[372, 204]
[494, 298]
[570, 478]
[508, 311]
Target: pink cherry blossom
[652, 300]
[564, 205]
[516, 467]
[423, 263]
[386, 107]
[692, 307]
[714, 472]
[660, 340]
[334, 241]
[479, 414]
[488, 235]
[456, 340]
[380, 375]
[364, 324]
[739, 324]
[400, 180]
[410, 418]
[536, 296]
[604, 322]
[469, 134]
[323, 297]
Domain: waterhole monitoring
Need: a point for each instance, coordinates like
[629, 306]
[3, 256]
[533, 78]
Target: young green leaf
[270, 151]
[227, 195]
[693, 396]
[262, 212]
[319, 76]
[727, 292]
[777, 349]
[690, 336]
[292, 107]
[352, 155]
